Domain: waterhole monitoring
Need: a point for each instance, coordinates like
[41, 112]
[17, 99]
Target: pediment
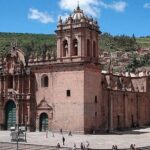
[44, 105]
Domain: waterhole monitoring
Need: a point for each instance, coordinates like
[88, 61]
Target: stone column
[0, 84]
[110, 111]
[2, 117]
[5, 81]
[28, 117]
[69, 47]
[125, 110]
[59, 45]
[80, 46]
[22, 112]
[17, 115]
[111, 114]
[29, 91]
[13, 82]
[137, 108]
[37, 123]
[18, 84]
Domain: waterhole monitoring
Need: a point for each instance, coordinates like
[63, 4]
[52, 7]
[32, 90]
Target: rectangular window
[10, 82]
[95, 99]
[68, 93]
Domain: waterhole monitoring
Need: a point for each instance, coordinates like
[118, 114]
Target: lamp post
[17, 132]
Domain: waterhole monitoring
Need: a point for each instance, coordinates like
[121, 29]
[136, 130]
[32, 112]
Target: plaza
[123, 140]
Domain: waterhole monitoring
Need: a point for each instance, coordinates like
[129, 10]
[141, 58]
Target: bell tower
[78, 38]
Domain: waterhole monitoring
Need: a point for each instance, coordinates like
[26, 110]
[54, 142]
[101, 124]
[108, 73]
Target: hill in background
[39, 43]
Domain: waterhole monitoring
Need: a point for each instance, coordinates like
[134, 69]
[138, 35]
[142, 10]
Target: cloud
[43, 17]
[117, 6]
[92, 7]
[63, 17]
[89, 6]
[147, 5]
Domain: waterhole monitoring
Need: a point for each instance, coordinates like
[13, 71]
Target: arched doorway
[43, 122]
[10, 115]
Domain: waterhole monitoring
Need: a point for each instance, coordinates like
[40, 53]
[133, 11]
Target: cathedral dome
[78, 14]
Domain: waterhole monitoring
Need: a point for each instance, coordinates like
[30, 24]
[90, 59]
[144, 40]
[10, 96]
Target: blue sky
[40, 16]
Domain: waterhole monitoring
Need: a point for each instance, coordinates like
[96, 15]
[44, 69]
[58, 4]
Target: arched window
[44, 81]
[94, 49]
[65, 48]
[75, 47]
[88, 47]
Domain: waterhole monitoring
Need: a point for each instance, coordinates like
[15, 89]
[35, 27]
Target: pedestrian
[53, 134]
[58, 145]
[61, 131]
[116, 147]
[82, 146]
[74, 147]
[87, 145]
[132, 147]
[69, 134]
[113, 147]
[63, 140]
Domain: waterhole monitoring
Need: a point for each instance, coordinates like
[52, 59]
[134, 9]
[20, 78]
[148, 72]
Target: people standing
[61, 131]
[82, 146]
[63, 140]
[58, 146]
[74, 147]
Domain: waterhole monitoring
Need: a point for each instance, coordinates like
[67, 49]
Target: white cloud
[117, 6]
[92, 7]
[43, 17]
[63, 17]
[89, 6]
[147, 5]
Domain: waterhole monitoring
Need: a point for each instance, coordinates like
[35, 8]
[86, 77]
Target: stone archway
[43, 123]
[10, 114]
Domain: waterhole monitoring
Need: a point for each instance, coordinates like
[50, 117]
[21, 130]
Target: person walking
[63, 140]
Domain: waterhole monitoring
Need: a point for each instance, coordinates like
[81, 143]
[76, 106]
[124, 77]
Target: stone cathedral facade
[70, 92]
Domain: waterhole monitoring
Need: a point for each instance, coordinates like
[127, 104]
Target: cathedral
[70, 92]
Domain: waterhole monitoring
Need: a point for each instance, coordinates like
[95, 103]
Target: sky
[116, 17]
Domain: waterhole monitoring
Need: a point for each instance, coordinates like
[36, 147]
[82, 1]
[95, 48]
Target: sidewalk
[140, 138]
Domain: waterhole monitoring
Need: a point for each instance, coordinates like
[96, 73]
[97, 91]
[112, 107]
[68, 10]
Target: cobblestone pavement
[140, 137]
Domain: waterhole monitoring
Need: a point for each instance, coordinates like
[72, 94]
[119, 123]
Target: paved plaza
[140, 137]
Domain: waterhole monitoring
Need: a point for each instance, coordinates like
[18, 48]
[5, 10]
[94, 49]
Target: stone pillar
[13, 82]
[110, 111]
[5, 81]
[2, 117]
[137, 108]
[17, 114]
[28, 117]
[0, 84]
[18, 88]
[22, 112]
[59, 45]
[29, 86]
[125, 111]
[69, 47]
[80, 45]
[37, 123]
